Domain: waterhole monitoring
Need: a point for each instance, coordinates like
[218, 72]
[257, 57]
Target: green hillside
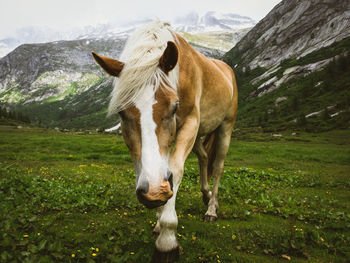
[85, 110]
[67, 197]
[326, 91]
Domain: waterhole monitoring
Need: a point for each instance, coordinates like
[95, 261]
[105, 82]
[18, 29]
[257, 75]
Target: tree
[295, 103]
[301, 120]
[325, 114]
[343, 63]
[26, 118]
[4, 112]
[266, 116]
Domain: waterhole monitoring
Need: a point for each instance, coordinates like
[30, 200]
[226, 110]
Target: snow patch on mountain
[212, 21]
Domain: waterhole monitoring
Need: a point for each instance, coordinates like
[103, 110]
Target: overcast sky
[65, 14]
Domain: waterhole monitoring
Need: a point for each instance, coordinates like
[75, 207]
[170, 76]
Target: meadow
[68, 197]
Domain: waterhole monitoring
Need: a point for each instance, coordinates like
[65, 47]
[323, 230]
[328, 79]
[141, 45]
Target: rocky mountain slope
[294, 65]
[293, 29]
[34, 72]
[211, 22]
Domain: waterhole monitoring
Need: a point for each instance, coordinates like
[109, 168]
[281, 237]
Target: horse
[171, 100]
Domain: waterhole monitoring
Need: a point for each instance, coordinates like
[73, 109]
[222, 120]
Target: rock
[279, 100]
[277, 135]
[293, 29]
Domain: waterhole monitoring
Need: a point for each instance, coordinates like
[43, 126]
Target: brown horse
[171, 100]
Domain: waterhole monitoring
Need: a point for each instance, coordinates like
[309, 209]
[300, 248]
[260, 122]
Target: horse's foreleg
[156, 229]
[167, 248]
[222, 143]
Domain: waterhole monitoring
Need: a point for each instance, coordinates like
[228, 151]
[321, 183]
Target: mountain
[220, 40]
[293, 66]
[213, 29]
[192, 23]
[59, 84]
[294, 29]
[212, 21]
[36, 34]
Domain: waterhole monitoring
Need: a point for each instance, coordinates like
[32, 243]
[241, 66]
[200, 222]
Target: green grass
[65, 195]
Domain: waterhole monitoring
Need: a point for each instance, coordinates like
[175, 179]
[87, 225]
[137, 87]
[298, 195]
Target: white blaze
[153, 166]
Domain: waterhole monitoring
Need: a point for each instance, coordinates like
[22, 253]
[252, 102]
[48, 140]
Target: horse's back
[219, 95]
[229, 73]
[226, 69]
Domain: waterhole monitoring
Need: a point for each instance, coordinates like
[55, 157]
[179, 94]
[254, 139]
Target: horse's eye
[122, 114]
[176, 105]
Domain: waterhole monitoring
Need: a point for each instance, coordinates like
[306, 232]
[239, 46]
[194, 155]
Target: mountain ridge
[292, 29]
[209, 22]
[59, 84]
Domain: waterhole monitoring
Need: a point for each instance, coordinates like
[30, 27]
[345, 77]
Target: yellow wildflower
[94, 254]
[25, 235]
[132, 253]
[73, 255]
[97, 249]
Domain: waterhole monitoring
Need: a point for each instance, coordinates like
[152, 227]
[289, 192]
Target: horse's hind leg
[202, 155]
[221, 146]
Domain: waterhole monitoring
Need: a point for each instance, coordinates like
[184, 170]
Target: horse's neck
[191, 64]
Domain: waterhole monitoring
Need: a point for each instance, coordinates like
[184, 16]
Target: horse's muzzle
[156, 196]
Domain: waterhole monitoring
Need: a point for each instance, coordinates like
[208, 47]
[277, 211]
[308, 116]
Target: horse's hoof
[165, 257]
[209, 218]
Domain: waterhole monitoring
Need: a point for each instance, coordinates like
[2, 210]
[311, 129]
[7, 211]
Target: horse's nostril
[142, 189]
[170, 179]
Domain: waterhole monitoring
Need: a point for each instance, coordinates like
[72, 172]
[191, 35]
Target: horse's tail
[209, 145]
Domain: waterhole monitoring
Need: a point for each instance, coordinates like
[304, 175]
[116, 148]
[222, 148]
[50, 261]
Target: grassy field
[70, 198]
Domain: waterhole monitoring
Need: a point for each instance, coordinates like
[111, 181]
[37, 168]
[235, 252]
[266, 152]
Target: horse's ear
[111, 66]
[169, 58]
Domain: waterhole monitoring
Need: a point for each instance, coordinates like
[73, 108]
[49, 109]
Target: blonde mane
[141, 75]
